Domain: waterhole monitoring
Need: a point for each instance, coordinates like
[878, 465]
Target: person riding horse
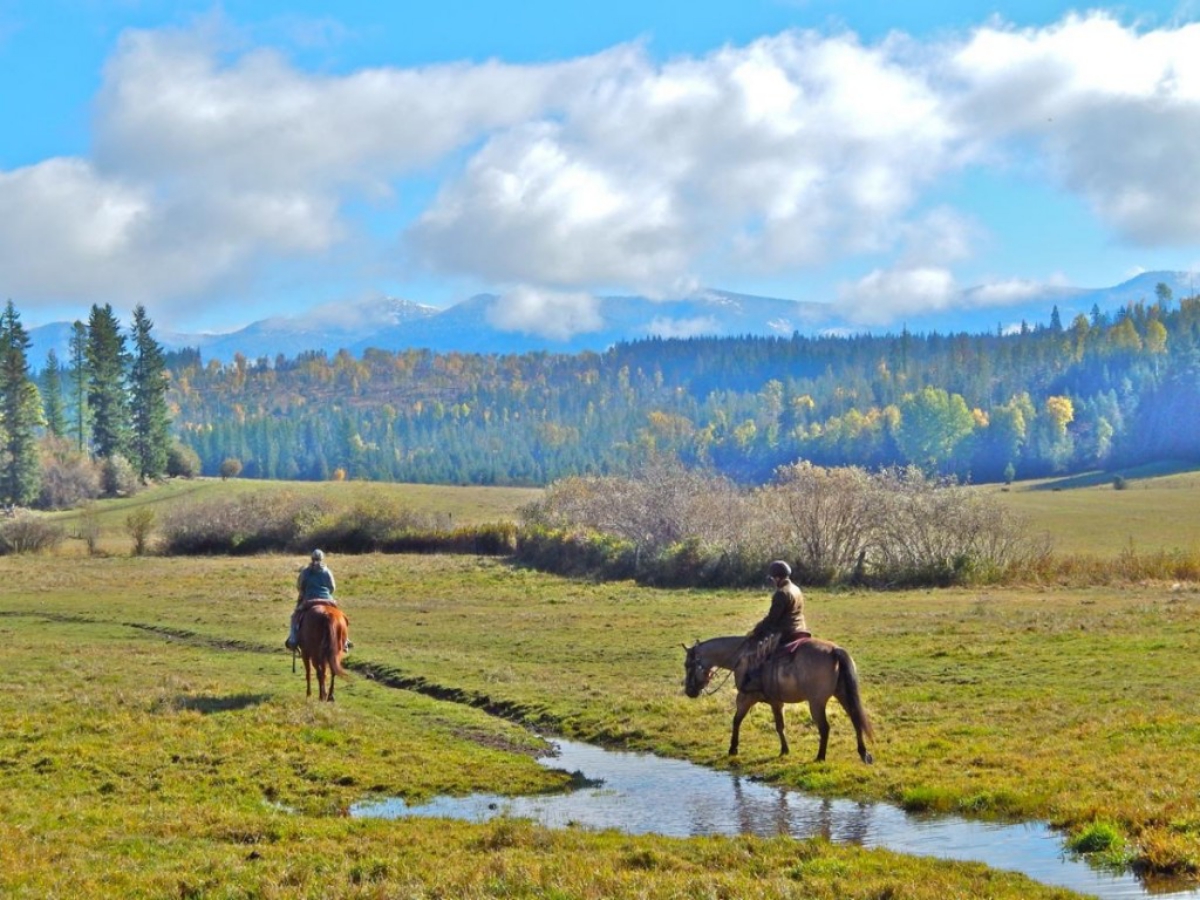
[783, 623]
[314, 585]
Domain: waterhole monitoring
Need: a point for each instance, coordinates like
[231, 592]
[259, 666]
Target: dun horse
[816, 671]
[323, 631]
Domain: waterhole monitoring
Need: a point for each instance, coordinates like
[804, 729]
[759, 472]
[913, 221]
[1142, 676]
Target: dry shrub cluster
[667, 524]
[273, 521]
[26, 533]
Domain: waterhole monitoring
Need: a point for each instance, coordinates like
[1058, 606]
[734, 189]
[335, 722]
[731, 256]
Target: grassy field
[156, 743]
[1088, 516]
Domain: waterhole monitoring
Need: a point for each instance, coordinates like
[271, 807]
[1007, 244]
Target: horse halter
[698, 676]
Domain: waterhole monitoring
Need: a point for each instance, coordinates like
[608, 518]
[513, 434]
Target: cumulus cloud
[553, 314]
[214, 159]
[772, 157]
[883, 297]
[666, 327]
[1110, 109]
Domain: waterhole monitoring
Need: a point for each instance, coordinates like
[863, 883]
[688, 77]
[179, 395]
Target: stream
[639, 793]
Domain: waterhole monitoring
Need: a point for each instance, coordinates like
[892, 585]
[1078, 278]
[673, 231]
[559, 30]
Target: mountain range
[392, 324]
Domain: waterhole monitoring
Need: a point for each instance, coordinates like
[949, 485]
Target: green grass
[152, 704]
[157, 744]
[1156, 512]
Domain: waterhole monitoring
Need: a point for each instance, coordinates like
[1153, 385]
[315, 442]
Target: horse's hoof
[867, 758]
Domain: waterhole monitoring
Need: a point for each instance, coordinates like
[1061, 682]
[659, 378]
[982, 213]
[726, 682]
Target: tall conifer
[52, 396]
[107, 364]
[20, 414]
[148, 387]
[79, 383]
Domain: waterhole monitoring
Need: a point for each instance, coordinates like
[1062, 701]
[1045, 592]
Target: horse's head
[697, 672]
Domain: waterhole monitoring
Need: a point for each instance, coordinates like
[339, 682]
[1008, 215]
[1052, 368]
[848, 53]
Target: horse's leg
[308, 676]
[777, 709]
[817, 710]
[321, 678]
[332, 676]
[744, 703]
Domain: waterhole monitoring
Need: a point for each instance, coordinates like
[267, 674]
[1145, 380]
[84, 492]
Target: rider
[783, 623]
[314, 585]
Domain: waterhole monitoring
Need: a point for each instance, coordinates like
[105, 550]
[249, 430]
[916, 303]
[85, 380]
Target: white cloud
[552, 314]
[665, 327]
[1111, 111]
[215, 160]
[772, 157]
[883, 297]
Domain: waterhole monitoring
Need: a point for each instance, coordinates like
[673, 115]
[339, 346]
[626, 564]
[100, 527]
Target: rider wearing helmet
[314, 584]
[783, 623]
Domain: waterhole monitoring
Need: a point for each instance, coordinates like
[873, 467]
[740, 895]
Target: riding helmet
[779, 569]
[317, 556]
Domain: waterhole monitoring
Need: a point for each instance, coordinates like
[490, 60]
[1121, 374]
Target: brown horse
[323, 631]
[816, 671]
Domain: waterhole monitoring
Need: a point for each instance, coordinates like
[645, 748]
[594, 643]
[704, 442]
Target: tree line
[1102, 391]
[98, 423]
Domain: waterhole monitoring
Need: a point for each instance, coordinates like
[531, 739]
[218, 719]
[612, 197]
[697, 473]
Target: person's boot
[291, 643]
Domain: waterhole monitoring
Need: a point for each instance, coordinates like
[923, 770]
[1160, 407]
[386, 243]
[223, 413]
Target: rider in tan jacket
[783, 623]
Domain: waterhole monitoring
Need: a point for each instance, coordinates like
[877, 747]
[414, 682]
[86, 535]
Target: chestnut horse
[815, 671]
[323, 631]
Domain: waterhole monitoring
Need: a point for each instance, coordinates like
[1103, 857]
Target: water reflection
[639, 793]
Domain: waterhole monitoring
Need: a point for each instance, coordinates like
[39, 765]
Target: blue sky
[221, 163]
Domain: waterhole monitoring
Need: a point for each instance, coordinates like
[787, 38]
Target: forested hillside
[1099, 391]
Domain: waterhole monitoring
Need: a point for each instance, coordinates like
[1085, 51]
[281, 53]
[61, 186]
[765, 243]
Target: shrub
[139, 523]
[230, 468]
[117, 477]
[69, 476]
[250, 523]
[182, 461]
[26, 533]
[1119, 483]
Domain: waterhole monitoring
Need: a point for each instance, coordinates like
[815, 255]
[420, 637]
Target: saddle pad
[794, 645]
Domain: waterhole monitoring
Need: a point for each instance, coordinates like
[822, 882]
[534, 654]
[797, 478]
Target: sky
[224, 163]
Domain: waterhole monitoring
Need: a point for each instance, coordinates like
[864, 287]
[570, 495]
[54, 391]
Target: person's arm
[332, 584]
[774, 617]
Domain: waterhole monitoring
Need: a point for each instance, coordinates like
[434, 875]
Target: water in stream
[639, 793]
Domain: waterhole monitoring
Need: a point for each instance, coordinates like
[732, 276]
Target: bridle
[695, 665]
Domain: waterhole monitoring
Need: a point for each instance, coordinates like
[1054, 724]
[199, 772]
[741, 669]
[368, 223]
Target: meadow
[156, 741]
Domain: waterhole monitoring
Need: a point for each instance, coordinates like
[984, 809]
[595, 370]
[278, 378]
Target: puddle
[639, 793]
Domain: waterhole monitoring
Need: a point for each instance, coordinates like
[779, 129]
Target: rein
[728, 672]
[709, 693]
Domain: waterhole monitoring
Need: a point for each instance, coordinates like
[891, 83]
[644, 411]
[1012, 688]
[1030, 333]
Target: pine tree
[107, 364]
[79, 381]
[148, 388]
[20, 414]
[52, 396]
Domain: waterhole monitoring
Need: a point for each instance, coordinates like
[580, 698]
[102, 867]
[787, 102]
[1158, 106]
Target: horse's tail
[335, 639]
[848, 693]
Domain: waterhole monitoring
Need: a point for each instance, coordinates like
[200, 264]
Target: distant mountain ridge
[392, 324]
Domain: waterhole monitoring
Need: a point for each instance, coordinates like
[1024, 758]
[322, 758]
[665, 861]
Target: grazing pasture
[156, 742]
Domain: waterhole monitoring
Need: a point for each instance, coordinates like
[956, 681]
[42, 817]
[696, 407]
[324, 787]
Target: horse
[815, 671]
[323, 631]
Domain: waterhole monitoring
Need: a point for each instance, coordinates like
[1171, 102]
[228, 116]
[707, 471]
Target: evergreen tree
[79, 382]
[148, 387]
[52, 396]
[107, 365]
[20, 414]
